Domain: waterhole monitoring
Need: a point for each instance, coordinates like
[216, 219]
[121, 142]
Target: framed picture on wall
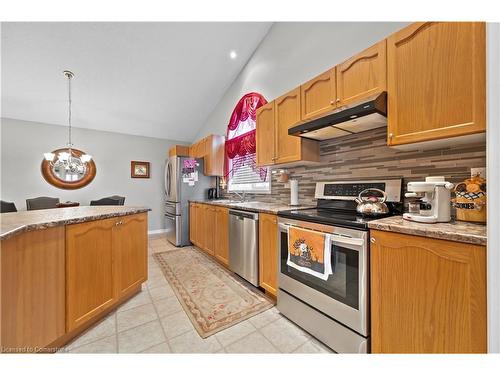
[139, 169]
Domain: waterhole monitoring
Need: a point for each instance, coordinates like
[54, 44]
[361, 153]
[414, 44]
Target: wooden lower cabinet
[104, 260]
[221, 244]
[192, 223]
[209, 229]
[200, 226]
[130, 253]
[32, 289]
[427, 295]
[268, 254]
[90, 270]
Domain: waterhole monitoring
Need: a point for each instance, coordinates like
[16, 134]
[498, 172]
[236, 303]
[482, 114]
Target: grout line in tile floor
[116, 332]
[161, 325]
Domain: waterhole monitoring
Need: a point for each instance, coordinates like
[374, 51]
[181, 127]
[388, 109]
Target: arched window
[241, 170]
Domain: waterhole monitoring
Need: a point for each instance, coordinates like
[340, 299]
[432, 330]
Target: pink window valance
[246, 107]
[240, 140]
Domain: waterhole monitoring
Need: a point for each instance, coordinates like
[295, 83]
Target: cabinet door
[265, 134]
[209, 232]
[200, 225]
[214, 158]
[318, 95]
[130, 246]
[436, 81]
[90, 270]
[32, 289]
[192, 223]
[427, 295]
[363, 75]
[268, 252]
[287, 114]
[221, 245]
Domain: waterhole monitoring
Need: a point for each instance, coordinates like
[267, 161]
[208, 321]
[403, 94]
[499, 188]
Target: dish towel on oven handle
[309, 252]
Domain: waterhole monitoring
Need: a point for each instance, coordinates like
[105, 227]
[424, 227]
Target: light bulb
[85, 158]
[49, 156]
[63, 156]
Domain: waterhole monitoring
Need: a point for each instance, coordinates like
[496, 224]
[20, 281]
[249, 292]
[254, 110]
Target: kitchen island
[61, 270]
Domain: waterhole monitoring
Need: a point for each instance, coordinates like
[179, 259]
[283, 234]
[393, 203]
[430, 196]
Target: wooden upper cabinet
[427, 295]
[268, 254]
[290, 148]
[436, 81]
[178, 150]
[318, 96]
[214, 155]
[130, 244]
[265, 135]
[221, 242]
[363, 75]
[198, 149]
[211, 150]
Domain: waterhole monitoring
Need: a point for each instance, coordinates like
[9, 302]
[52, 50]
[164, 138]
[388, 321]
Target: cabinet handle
[391, 135]
[372, 240]
[338, 100]
[332, 102]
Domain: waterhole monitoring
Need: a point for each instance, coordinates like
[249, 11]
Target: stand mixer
[434, 196]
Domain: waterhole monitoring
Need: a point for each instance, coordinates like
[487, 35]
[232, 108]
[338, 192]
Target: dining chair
[7, 207]
[41, 203]
[114, 200]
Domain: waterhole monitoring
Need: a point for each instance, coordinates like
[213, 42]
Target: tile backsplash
[366, 156]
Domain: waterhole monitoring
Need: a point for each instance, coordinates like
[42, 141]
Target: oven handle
[333, 236]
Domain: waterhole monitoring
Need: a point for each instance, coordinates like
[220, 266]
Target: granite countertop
[254, 206]
[459, 231]
[13, 223]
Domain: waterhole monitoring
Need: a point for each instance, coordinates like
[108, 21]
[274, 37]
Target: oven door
[344, 295]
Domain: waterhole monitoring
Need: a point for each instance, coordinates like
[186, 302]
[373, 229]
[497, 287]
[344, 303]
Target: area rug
[213, 298]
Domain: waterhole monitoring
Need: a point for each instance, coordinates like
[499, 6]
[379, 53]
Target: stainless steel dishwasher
[244, 245]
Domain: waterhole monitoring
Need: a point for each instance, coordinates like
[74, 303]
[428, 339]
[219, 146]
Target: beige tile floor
[154, 321]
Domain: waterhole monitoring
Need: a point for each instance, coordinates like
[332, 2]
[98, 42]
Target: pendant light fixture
[68, 160]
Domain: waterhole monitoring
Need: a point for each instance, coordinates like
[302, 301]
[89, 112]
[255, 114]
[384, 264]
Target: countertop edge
[50, 224]
[433, 231]
[237, 206]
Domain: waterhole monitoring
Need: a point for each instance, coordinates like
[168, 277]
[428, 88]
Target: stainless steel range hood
[368, 115]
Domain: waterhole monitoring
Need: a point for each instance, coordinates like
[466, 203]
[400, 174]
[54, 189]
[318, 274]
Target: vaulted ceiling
[152, 79]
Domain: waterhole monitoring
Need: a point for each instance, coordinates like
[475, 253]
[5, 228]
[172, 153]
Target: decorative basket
[470, 200]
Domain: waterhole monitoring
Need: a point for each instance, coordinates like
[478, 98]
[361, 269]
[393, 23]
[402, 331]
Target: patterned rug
[212, 297]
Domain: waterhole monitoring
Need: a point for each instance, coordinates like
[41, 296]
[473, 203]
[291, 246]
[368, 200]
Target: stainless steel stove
[335, 310]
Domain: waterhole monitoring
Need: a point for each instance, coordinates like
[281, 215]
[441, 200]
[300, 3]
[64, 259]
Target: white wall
[493, 179]
[23, 144]
[291, 54]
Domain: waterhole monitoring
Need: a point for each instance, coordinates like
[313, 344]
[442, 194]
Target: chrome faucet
[241, 196]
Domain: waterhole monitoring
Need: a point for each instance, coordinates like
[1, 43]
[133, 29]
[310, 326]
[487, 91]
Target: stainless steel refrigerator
[178, 194]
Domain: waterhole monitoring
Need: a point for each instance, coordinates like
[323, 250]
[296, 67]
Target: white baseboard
[156, 231]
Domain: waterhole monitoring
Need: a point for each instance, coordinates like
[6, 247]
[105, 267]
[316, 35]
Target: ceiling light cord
[69, 75]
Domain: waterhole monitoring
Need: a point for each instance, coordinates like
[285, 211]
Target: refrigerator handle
[168, 174]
